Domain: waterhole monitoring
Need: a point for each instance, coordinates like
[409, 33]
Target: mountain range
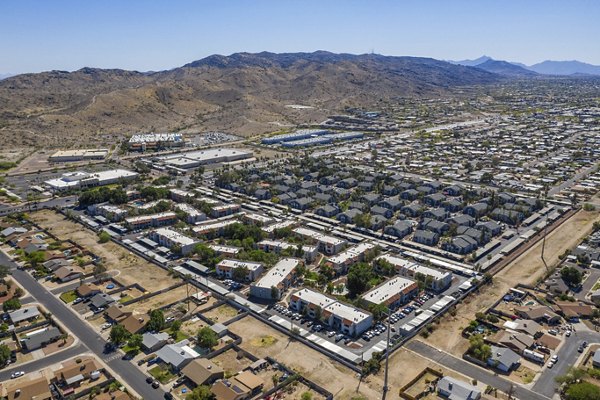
[544, 68]
[242, 93]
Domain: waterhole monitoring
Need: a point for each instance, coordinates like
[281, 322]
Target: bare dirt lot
[231, 363]
[133, 269]
[336, 378]
[221, 314]
[158, 301]
[526, 269]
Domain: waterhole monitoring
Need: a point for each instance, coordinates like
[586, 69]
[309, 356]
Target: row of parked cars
[232, 285]
[377, 330]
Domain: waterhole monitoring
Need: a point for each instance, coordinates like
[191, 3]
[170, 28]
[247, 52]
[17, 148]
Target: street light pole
[387, 358]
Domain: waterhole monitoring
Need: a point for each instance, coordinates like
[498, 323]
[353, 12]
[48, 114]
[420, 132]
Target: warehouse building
[78, 155]
[339, 316]
[153, 141]
[298, 135]
[194, 159]
[82, 180]
[276, 280]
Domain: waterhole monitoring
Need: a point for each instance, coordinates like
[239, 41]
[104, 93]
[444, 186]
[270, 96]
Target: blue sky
[154, 35]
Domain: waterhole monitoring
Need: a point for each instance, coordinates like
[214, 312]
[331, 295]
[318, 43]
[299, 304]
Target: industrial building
[170, 238]
[298, 135]
[339, 316]
[276, 280]
[186, 161]
[78, 155]
[153, 141]
[324, 139]
[392, 293]
[81, 180]
[433, 279]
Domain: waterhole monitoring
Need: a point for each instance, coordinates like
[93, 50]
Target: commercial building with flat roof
[433, 279]
[81, 180]
[326, 244]
[148, 141]
[274, 283]
[170, 238]
[195, 159]
[298, 135]
[392, 293]
[78, 155]
[341, 262]
[339, 316]
[226, 267]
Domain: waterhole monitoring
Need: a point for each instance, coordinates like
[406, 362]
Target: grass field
[161, 374]
[69, 296]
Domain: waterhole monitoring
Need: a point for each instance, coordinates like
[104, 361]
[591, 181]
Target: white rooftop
[389, 289]
[278, 273]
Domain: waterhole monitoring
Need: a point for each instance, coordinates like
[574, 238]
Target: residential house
[327, 210]
[455, 389]
[26, 313]
[476, 210]
[461, 244]
[461, 220]
[66, 274]
[503, 359]
[37, 388]
[400, 229]
[427, 238]
[347, 217]
[101, 300]
[87, 290]
[135, 323]
[177, 355]
[39, 338]
[537, 313]
[434, 226]
[202, 371]
[152, 341]
[434, 200]
[439, 214]
[73, 374]
[393, 203]
[384, 212]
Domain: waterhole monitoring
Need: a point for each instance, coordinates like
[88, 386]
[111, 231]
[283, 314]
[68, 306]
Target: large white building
[213, 229]
[78, 155]
[342, 261]
[326, 244]
[192, 215]
[194, 159]
[226, 267]
[149, 141]
[81, 180]
[170, 238]
[392, 293]
[433, 279]
[339, 316]
[279, 277]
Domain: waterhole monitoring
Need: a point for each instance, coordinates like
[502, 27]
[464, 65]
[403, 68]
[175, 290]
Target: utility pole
[386, 388]
[545, 228]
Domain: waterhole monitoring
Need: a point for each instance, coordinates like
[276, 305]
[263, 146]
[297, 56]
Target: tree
[201, 392]
[572, 276]
[103, 237]
[240, 274]
[274, 292]
[4, 354]
[118, 334]
[306, 396]
[157, 321]
[4, 271]
[11, 304]
[175, 327]
[379, 311]
[99, 270]
[35, 258]
[478, 348]
[358, 278]
[135, 341]
[207, 338]
[583, 391]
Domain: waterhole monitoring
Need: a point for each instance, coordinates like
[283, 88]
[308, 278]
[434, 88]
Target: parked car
[156, 384]
[17, 374]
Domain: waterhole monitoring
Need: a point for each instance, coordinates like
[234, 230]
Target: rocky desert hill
[243, 93]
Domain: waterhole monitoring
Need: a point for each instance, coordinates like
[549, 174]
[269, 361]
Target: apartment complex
[274, 283]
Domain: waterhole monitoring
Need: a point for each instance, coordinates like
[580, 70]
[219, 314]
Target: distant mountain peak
[505, 68]
[472, 63]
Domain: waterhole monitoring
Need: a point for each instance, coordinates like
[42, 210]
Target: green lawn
[124, 299]
[68, 297]
[180, 335]
[161, 374]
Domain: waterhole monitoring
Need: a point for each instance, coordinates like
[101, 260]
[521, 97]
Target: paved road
[473, 371]
[57, 202]
[567, 356]
[91, 340]
[44, 362]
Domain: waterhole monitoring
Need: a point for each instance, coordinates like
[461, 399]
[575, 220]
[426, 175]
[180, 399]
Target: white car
[550, 364]
[17, 374]
[554, 359]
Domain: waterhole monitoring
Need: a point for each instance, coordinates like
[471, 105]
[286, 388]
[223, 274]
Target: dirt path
[526, 269]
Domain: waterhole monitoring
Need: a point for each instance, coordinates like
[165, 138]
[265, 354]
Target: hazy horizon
[151, 36]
